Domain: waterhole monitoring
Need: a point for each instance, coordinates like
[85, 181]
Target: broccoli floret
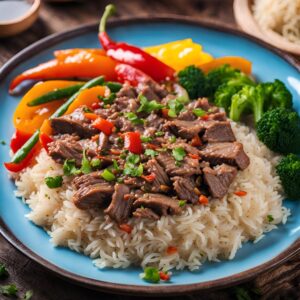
[277, 95]
[225, 91]
[219, 76]
[194, 81]
[260, 98]
[288, 170]
[279, 130]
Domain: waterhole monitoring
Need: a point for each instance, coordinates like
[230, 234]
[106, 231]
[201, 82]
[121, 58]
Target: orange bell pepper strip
[80, 65]
[27, 119]
[64, 53]
[234, 61]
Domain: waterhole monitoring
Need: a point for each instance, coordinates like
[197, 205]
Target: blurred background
[61, 15]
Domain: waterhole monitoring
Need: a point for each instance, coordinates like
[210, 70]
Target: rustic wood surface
[280, 283]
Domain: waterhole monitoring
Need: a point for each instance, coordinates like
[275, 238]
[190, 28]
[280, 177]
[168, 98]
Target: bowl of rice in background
[276, 22]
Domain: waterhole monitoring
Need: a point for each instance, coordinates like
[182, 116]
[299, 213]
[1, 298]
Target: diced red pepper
[203, 200]
[18, 140]
[103, 125]
[150, 178]
[240, 193]
[133, 143]
[196, 141]
[164, 276]
[171, 250]
[205, 117]
[165, 112]
[194, 156]
[95, 105]
[125, 227]
[45, 139]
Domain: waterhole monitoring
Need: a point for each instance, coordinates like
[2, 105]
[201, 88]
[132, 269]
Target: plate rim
[151, 290]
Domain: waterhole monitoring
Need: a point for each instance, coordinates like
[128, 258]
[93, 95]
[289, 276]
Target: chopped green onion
[28, 295]
[108, 100]
[133, 118]
[148, 106]
[198, 112]
[178, 153]
[175, 107]
[69, 167]
[146, 139]
[3, 271]
[95, 162]
[181, 203]
[113, 86]
[86, 167]
[151, 152]
[270, 218]
[151, 275]
[172, 139]
[107, 175]
[54, 182]
[159, 133]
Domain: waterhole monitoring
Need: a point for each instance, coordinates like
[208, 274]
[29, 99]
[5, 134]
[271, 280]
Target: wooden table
[280, 283]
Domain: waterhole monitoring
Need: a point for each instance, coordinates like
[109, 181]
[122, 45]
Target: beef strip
[218, 116]
[219, 179]
[160, 204]
[119, 208]
[161, 178]
[74, 123]
[103, 141]
[87, 179]
[219, 132]
[228, 153]
[127, 91]
[186, 129]
[96, 195]
[187, 115]
[145, 212]
[185, 189]
[187, 167]
[66, 147]
[182, 144]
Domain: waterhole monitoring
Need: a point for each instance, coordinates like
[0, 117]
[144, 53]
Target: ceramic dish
[277, 246]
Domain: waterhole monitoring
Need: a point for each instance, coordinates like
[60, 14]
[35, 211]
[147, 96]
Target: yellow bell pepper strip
[180, 54]
[28, 119]
[64, 53]
[236, 62]
[80, 65]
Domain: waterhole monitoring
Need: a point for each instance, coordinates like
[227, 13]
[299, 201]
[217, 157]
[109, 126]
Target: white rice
[200, 233]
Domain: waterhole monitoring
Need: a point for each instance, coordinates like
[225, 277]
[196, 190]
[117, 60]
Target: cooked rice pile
[201, 233]
[281, 16]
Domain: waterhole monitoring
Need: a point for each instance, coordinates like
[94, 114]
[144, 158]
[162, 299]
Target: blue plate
[276, 247]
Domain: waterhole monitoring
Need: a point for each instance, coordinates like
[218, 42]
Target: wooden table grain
[280, 283]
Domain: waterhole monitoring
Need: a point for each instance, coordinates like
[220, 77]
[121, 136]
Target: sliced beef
[219, 132]
[185, 189]
[160, 204]
[87, 180]
[182, 144]
[228, 153]
[74, 123]
[125, 104]
[151, 90]
[103, 142]
[144, 212]
[155, 121]
[66, 147]
[218, 116]
[187, 115]
[200, 103]
[186, 129]
[161, 177]
[187, 167]
[120, 207]
[95, 195]
[127, 91]
[219, 179]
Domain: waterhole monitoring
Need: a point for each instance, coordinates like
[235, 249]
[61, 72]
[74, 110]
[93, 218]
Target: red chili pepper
[18, 140]
[171, 250]
[196, 141]
[164, 276]
[103, 125]
[150, 178]
[240, 193]
[133, 143]
[45, 139]
[127, 73]
[203, 200]
[194, 156]
[125, 227]
[131, 55]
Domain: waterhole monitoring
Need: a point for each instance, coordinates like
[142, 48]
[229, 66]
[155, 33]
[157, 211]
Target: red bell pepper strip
[133, 143]
[18, 139]
[45, 139]
[127, 73]
[81, 65]
[103, 125]
[131, 55]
